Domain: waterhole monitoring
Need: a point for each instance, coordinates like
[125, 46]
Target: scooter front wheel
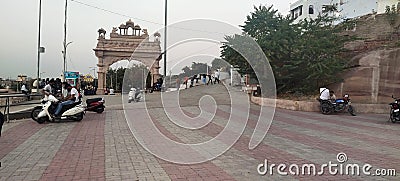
[35, 112]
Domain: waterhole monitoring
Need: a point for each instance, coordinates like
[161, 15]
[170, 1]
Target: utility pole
[165, 41]
[65, 39]
[39, 48]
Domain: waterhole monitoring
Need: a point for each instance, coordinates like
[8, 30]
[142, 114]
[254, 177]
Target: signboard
[88, 78]
[71, 78]
[71, 75]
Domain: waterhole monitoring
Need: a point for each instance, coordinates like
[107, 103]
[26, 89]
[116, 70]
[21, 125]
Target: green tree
[303, 55]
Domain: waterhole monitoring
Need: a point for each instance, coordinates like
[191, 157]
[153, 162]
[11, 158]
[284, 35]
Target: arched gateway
[125, 40]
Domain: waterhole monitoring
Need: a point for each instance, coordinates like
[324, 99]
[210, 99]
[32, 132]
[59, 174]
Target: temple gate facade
[127, 42]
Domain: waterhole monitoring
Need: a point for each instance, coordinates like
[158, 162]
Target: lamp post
[64, 52]
[165, 40]
[40, 49]
[94, 71]
[65, 38]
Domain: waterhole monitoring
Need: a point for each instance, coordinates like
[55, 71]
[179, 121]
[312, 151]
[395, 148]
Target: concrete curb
[309, 106]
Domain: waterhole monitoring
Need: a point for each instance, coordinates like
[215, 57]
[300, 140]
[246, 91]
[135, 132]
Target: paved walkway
[102, 147]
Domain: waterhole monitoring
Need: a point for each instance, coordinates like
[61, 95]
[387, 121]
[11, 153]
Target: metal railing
[8, 103]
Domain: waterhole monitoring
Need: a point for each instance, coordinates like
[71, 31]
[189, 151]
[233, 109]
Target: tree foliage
[303, 55]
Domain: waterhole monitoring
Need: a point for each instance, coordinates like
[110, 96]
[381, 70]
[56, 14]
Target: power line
[140, 19]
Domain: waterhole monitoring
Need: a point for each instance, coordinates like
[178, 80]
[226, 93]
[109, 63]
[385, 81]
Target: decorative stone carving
[114, 30]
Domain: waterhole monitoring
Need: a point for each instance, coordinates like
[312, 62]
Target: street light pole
[38, 50]
[165, 40]
[65, 39]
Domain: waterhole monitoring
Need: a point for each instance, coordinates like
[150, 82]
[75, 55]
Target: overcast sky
[19, 28]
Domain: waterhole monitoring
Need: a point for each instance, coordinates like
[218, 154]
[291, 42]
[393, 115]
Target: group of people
[212, 79]
[69, 94]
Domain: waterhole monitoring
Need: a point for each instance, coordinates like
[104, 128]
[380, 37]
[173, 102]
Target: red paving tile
[264, 151]
[365, 156]
[83, 153]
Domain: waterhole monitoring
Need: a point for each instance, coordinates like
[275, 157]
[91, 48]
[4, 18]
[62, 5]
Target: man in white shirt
[324, 94]
[47, 90]
[73, 96]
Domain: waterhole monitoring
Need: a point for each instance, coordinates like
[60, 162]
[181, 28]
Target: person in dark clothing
[192, 80]
[1, 122]
[209, 79]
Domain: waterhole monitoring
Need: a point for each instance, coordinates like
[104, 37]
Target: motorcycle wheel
[326, 108]
[35, 112]
[151, 90]
[79, 117]
[42, 120]
[351, 110]
[100, 110]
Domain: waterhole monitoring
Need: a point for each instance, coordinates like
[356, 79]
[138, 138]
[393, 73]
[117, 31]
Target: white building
[303, 9]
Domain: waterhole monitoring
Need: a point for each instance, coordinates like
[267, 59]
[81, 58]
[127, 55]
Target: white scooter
[135, 95]
[71, 112]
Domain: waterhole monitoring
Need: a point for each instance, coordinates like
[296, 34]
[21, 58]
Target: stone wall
[376, 58]
[376, 78]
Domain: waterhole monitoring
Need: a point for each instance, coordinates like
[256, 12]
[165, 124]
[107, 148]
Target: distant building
[346, 9]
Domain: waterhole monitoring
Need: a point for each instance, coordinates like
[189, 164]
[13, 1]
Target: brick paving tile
[82, 153]
[30, 159]
[14, 136]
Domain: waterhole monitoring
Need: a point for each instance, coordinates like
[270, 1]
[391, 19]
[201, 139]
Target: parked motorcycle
[135, 95]
[95, 105]
[338, 105]
[155, 87]
[73, 111]
[395, 110]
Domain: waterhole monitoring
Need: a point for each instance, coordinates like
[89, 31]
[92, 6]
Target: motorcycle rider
[133, 93]
[73, 96]
[48, 88]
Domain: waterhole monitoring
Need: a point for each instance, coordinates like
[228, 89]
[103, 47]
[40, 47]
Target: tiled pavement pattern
[101, 146]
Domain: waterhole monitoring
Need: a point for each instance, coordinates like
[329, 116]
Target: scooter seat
[90, 101]
[66, 107]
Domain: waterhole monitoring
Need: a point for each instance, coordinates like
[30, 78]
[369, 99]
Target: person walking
[209, 79]
[178, 83]
[216, 76]
[186, 81]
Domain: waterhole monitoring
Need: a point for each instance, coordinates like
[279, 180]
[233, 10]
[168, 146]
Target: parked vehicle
[395, 110]
[338, 105]
[155, 87]
[95, 105]
[74, 111]
[135, 95]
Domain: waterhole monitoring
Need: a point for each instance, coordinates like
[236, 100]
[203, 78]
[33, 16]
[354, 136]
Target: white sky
[19, 29]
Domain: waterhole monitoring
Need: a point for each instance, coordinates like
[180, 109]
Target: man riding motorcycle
[73, 97]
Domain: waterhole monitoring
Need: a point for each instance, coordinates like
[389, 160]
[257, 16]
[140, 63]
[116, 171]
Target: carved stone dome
[130, 23]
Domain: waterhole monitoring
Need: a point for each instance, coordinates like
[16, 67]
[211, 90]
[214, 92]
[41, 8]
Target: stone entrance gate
[123, 42]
